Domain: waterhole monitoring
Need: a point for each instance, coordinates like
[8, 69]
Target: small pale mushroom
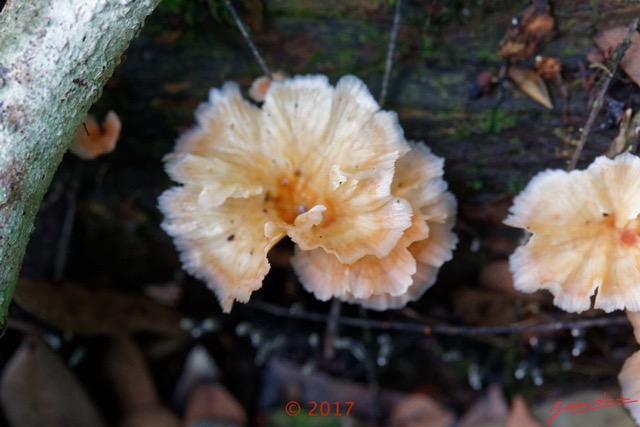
[584, 228]
[315, 163]
[260, 86]
[93, 140]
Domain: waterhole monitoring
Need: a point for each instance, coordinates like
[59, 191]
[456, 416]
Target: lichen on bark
[55, 57]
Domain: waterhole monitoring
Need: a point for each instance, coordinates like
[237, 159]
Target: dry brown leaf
[531, 84]
[528, 32]
[547, 67]
[198, 367]
[540, 25]
[156, 416]
[608, 40]
[519, 415]
[490, 409]
[624, 137]
[129, 375]
[38, 390]
[634, 318]
[133, 386]
[213, 402]
[80, 310]
[419, 410]
[510, 48]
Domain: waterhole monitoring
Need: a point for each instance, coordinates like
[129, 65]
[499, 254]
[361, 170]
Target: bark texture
[55, 57]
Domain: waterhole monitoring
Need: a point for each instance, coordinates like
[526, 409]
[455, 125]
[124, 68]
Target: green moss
[496, 120]
[475, 184]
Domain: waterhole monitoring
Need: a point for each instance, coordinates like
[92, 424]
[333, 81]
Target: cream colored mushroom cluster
[368, 211]
[585, 235]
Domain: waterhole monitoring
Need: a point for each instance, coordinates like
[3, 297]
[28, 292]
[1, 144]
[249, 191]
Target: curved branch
[441, 329]
[55, 57]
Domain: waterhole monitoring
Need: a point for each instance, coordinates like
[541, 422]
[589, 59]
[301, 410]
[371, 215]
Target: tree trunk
[55, 57]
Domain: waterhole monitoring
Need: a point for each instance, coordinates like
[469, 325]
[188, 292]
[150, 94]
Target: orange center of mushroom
[292, 195]
[628, 236]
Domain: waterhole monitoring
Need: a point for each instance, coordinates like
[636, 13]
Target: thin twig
[247, 38]
[62, 251]
[426, 329]
[390, 51]
[331, 331]
[23, 326]
[597, 104]
[372, 376]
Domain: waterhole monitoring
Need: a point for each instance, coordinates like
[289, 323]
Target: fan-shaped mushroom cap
[584, 229]
[314, 163]
[410, 268]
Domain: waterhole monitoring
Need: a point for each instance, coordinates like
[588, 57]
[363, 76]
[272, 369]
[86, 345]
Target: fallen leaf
[519, 415]
[530, 83]
[629, 383]
[625, 136]
[38, 390]
[156, 416]
[540, 25]
[510, 48]
[212, 402]
[199, 366]
[608, 40]
[491, 409]
[133, 386]
[547, 67]
[419, 410]
[76, 308]
[634, 318]
[130, 378]
[528, 32]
